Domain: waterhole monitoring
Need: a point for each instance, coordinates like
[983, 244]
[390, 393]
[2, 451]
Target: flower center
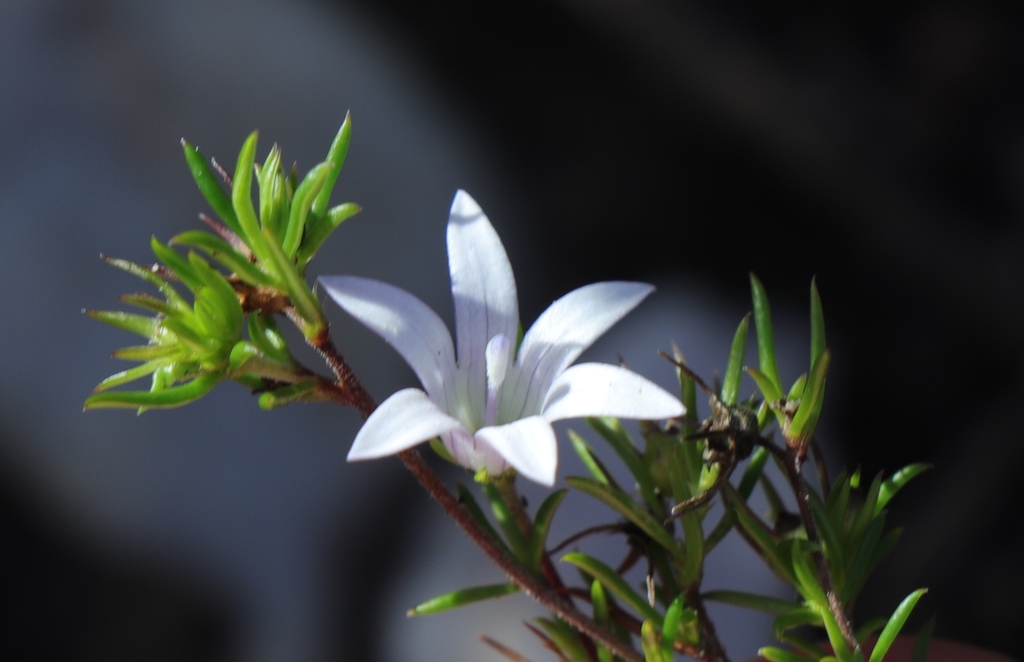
[496, 356]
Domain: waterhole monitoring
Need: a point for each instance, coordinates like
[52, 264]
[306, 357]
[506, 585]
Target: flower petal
[405, 419]
[562, 332]
[599, 389]
[484, 291]
[406, 323]
[528, 444]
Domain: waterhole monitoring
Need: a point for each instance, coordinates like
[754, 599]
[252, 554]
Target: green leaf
[148, 302]
[186, 330]
[895, 624]
[147, 352]
[682, 463]
[173, 396]
[765, 335]
[801, 428]
[832, 546]
[796, 391]
[150, 275]
[817, 323]
[462, 598]
[140, 324]
[241, 200]
[317, 232]
[273, 194]
[210, 187]
[214, 316]
[864, 561]
[305, 303]
[806, 577]
[797, 616]
[176, 263]
[687, 390]
[246, 357]
[769, 389]
[336, 158]
[219, 286]
[864, 513]
[541, 526]
[773, 654]
[438, 447]
[613, 582]
[301, 392]
[837, 503]
[835, 634]
[695, 552]
[516, 539]
[867, 629]
[734, 368]
[599, 600]
[670, 627]
[612, 431]
[592, 464]
[301, 201]
[264, 334]
[565, 639]
[770, 549]
[225, 253]
[895, 483]
[477, 513]
[623, 504]
[763, 603]
[755, 467]
[129, 375]
[649, 642]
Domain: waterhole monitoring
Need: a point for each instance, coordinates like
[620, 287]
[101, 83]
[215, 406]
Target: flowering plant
[487, 403]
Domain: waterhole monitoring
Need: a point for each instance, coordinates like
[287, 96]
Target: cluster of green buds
[228, 329]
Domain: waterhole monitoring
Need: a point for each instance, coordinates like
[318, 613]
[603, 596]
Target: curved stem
[792, 465]
[351, 393]
[529, 584]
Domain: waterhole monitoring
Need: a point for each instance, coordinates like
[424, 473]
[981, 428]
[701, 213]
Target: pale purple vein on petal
[563, 331]
[483, 289]
[599, 389]
[405, 419]
[529, 445]
[405, 323]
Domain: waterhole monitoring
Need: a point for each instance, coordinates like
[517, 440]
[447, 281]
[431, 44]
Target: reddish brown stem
[351, 393]
[792, 465]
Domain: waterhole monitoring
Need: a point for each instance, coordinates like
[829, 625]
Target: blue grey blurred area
[241, 529]
[680, 143]
[219, 531]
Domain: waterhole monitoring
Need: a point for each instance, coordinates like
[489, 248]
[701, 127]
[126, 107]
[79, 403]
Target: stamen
[497, 356]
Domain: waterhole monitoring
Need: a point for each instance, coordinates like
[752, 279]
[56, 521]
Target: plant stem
[711, 648]
[792, 464]
[529, 584]
[351, 393]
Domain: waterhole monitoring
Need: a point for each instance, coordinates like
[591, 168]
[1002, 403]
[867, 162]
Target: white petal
[405, 419]
[563, 331]
[406, 323]
[484, 291]
[529, 445]
[599, 389]
[474, 453]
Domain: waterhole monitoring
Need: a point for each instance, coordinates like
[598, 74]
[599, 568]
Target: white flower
[491, 407]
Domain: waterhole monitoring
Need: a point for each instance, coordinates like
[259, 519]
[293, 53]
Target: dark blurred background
[879, 148]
